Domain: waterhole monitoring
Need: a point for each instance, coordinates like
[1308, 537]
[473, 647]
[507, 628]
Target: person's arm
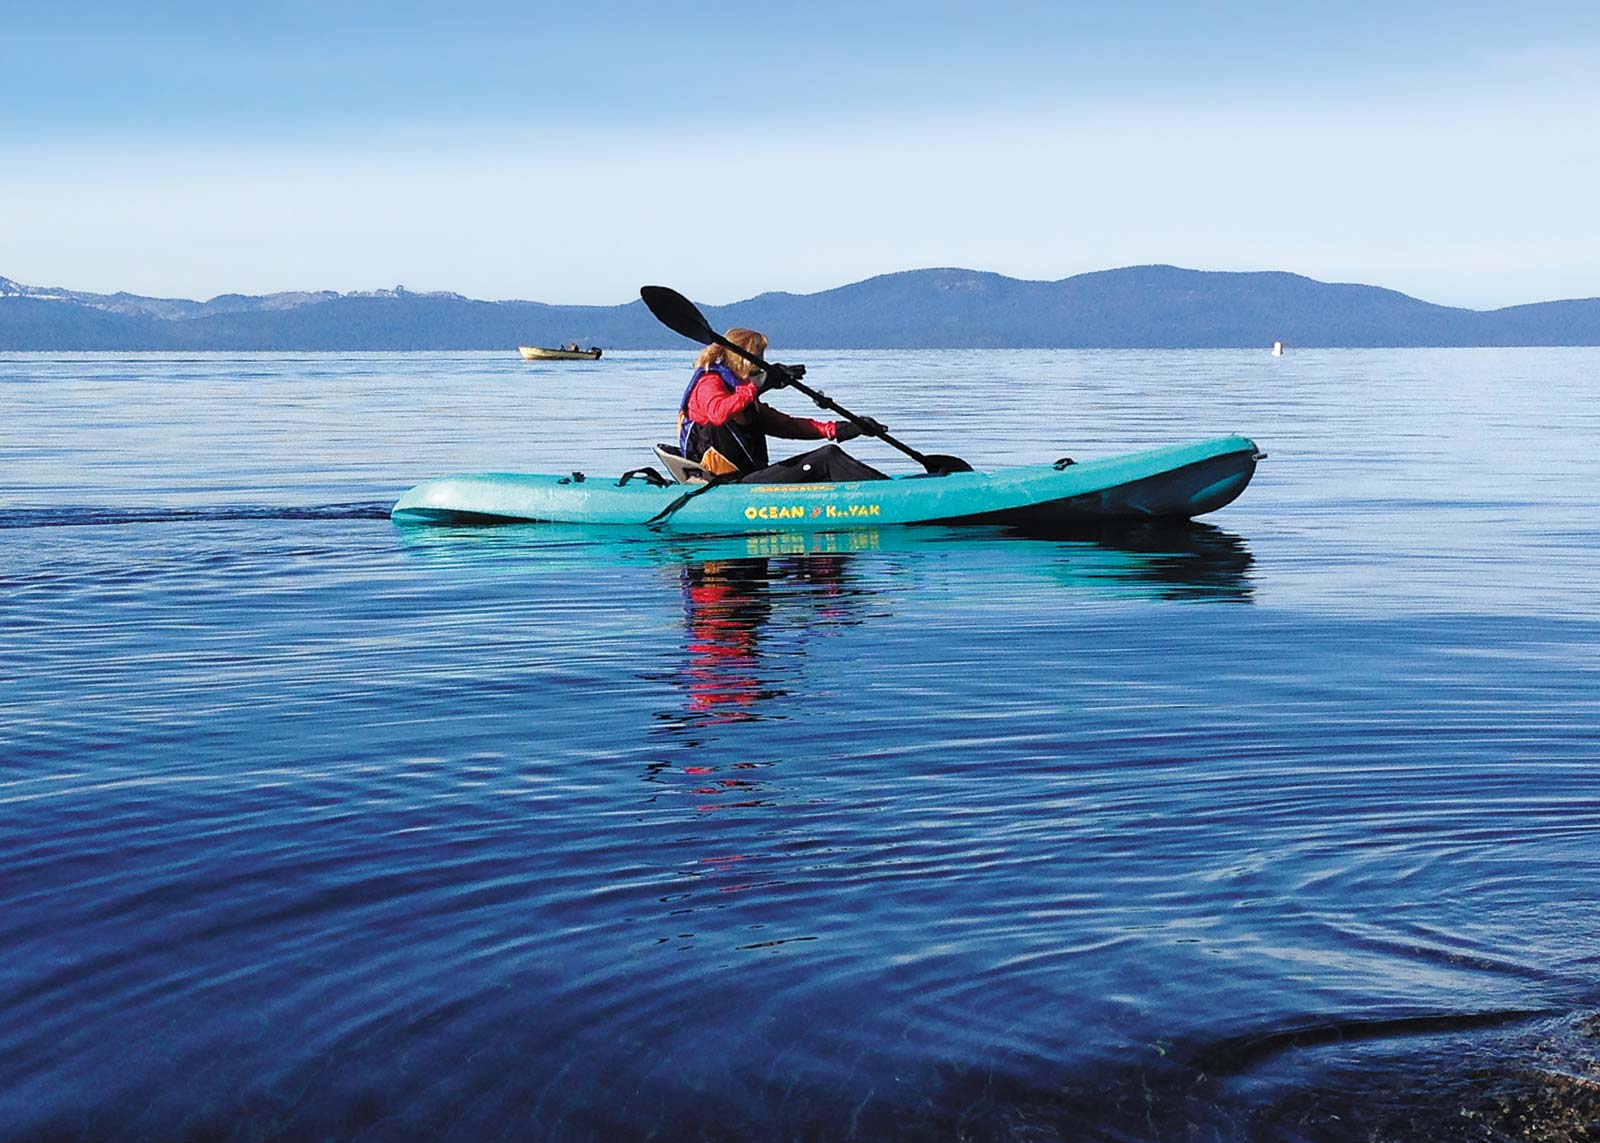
[776, 424]
[712, 403]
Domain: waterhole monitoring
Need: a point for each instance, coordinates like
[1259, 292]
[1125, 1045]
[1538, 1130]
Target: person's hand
[849, 430]
[770, 378]
[776, 376]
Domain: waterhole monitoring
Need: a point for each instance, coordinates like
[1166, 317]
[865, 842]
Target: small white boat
[536, 353]
[1277, 349]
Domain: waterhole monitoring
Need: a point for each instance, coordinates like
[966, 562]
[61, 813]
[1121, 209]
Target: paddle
[679, 314]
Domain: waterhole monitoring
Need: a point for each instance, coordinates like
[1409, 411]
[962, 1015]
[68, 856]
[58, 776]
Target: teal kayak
[1176, 482]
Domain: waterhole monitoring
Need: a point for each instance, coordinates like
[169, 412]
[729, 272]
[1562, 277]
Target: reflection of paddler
[727, 606]
[825, 576]
[724, 605]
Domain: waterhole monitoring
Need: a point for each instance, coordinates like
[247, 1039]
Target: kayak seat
[684, 471]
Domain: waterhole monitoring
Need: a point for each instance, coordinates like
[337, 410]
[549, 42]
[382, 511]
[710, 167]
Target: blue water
[1282, 826]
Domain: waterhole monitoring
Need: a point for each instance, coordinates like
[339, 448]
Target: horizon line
[394, 291]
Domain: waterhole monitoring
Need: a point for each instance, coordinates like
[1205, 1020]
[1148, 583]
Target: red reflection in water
[728, 605]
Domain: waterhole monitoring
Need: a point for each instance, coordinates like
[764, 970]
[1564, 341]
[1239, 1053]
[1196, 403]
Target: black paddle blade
[939, 464]
[678, 313]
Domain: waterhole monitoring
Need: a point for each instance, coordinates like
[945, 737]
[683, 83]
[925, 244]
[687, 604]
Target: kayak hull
[535, 353]
[1176, 482]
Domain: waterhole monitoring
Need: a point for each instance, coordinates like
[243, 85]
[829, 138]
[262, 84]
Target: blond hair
[746, 339]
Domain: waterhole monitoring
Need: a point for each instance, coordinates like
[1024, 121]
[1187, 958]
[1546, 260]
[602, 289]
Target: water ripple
[1276, 827]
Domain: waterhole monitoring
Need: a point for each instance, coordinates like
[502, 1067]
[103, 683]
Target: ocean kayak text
[799, 511]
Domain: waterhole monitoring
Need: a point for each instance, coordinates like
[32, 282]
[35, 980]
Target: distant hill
[1134, 307]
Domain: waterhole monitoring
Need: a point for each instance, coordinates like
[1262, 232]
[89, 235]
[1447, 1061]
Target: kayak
[1176, 482]
[535, 353]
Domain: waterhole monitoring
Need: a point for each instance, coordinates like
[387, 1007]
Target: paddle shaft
[824, 401]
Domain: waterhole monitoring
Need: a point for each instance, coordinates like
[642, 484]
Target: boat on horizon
[538, 353]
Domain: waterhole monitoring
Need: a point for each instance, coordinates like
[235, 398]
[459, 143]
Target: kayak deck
[1176, 482]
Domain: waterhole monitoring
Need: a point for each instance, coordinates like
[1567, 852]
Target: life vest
[741, 448]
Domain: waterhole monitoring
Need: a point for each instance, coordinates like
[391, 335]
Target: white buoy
[1277, 349]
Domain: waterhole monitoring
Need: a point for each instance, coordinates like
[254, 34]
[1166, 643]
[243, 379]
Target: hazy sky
[569, 153]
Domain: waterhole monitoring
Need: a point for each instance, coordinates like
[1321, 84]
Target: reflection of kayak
[535, 353]
[1179, 481]
[1171, 559]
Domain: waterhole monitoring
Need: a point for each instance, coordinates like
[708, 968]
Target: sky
[569, 153]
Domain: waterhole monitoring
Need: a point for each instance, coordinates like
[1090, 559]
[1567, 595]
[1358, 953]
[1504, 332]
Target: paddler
[723, 425]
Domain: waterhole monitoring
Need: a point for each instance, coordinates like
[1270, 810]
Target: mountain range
[1132, 307]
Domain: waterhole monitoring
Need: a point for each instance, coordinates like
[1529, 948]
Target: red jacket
[712, 403]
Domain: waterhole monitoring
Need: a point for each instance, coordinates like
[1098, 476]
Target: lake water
[1285, 826]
